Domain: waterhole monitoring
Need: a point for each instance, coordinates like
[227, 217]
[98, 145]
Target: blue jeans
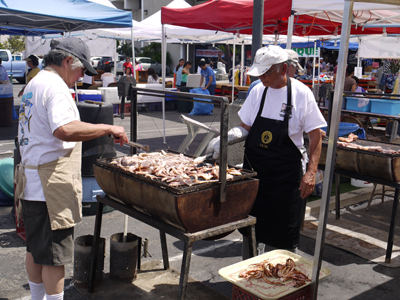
[211, 89]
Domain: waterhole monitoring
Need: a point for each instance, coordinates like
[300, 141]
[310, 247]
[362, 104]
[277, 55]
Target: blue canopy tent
[6, 30]
[61, 15]
[329, 45]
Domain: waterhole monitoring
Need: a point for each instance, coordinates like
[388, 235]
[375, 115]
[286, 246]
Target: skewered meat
[283, 272]
[174, 169]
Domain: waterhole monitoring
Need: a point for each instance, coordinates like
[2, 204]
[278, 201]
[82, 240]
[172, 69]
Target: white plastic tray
[263, 290]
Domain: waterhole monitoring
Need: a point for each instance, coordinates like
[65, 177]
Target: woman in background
[107, 77]
[128, 72]
[178, 72]
[138, 66]
[152, 76]
[185, 72]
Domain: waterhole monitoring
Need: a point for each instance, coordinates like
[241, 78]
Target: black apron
[271, 153]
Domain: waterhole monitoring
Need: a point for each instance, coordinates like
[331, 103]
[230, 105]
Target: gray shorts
[48, 247]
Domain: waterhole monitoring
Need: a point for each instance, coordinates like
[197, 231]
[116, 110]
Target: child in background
[152, 76]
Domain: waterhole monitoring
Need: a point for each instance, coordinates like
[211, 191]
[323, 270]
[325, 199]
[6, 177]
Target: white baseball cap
[294, 57]
[265, 58]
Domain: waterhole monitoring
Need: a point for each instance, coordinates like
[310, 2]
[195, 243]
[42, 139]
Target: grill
[190, 208]
[369, 163]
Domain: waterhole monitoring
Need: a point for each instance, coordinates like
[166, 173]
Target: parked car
[95, 60]
[108, 60]
[16, 67]
[146, 63]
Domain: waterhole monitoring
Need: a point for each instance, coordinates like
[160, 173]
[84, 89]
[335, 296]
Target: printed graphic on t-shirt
[283, 110]
[25, 115]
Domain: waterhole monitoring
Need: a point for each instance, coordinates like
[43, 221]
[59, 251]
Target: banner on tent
[208, 53]
[306, 52]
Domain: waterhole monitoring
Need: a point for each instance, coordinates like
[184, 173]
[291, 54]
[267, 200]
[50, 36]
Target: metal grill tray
[364, 162]
[105, 163]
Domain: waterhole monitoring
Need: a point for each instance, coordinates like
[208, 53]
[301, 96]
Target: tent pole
[331, 152]
[187, 51]
[257, 34]
[233, 65]
[313, 71]
[163, 69]
[242, 64]
[133, 54]
[290, 31]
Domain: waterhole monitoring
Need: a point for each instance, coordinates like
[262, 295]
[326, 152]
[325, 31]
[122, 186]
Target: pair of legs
[51, 276]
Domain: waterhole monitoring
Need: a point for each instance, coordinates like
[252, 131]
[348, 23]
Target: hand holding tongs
[136, 145]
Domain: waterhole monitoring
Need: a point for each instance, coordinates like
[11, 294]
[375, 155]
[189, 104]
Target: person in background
[87, 82]
[152, 76]
[274, 117]
[107, 77]
[128, 64]
[128, 72]
[293, 63]
[322, 64]
[138, 66]
[359, 89]
[3, 72]
[209, 75]
[48, 179]
[186, 72]
[178, 72]
[350, 84]
[33, 63]
[198, 68]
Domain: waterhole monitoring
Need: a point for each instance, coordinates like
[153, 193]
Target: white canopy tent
[379, 47]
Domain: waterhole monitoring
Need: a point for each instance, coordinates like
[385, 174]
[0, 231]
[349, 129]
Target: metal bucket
[83, 258]
[124, 256]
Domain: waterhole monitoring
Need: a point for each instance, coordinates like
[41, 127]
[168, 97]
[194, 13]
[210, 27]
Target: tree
[153, 50]
[15, 44]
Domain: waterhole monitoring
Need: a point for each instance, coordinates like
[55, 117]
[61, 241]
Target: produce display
[174, 169]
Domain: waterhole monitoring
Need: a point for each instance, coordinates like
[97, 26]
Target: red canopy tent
[237, 16]
[226, 15]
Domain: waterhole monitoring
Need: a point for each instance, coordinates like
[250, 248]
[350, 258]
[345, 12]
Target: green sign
[306, 52]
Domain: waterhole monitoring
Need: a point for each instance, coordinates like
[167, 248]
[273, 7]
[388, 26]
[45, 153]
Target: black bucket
[83, 258]
[124, 256]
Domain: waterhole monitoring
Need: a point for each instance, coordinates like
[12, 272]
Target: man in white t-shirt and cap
[48, 178]
[274, 117]
[293, 63]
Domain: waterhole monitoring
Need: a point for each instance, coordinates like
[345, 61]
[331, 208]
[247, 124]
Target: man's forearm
[76, 131]
[315, 150]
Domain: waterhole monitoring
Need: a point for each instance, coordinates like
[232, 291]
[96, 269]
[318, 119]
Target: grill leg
[183, 280]
[392, 227]
[96, 244]
[164, 249]
[337, 197]
[252, 240]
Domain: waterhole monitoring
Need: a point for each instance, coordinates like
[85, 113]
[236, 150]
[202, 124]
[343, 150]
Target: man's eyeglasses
[272, 70]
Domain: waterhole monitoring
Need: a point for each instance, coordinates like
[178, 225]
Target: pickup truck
[18, 68]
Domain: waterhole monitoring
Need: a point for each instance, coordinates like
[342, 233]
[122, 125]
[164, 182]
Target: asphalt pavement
[352, 277]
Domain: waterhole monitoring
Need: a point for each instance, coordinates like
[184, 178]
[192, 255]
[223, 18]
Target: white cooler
[109, 94]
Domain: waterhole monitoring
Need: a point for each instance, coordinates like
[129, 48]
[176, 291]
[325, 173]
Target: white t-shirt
[87, 79]
[46, 105]
[107, 79]
[305, 113]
